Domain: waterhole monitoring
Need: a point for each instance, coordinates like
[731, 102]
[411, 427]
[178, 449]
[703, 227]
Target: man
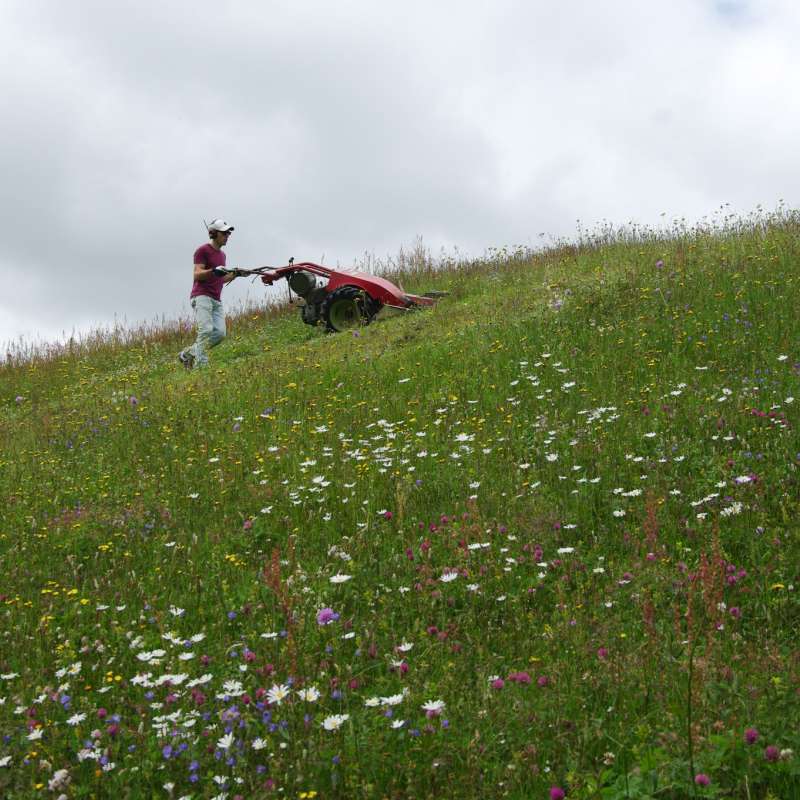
[210, 276]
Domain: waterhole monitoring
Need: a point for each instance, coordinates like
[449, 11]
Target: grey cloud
[338, 129]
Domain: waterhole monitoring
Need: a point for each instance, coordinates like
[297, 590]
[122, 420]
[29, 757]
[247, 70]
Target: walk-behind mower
[340, 299]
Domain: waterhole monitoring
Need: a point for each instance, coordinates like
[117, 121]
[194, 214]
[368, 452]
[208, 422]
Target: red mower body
[379, 289]
[341, 299]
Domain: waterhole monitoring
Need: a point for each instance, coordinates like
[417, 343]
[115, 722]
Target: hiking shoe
[187, 359]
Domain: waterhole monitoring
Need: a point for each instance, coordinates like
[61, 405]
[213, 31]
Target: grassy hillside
[539, 541]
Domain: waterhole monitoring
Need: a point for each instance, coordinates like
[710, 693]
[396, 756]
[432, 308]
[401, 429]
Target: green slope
[571, 488]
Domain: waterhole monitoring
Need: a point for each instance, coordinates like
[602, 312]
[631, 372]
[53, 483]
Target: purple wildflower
[771, 753]
[326, 615]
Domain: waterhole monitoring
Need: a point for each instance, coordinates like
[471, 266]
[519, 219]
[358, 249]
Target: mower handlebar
[266, 273]
[269, 275]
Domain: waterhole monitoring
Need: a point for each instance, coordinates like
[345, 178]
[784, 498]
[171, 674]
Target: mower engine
[306, 286]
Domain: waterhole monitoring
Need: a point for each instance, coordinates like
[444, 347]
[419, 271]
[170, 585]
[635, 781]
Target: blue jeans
[210, 319]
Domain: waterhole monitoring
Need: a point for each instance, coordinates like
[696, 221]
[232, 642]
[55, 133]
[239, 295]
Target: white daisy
[335, 721]
[151, 655]
[226, 741]
[233, 688]
[278, 693]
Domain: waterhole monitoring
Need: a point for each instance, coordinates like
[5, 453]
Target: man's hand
[230, 272]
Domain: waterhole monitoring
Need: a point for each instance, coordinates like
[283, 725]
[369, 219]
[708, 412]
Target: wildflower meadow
[539, 541]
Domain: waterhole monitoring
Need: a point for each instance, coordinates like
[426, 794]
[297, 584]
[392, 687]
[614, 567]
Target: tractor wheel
[347, 307]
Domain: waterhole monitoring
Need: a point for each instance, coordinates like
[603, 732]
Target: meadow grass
[539, 541]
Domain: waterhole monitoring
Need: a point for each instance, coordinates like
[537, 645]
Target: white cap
[219, 225]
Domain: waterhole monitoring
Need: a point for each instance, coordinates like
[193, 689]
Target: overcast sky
[324, 130]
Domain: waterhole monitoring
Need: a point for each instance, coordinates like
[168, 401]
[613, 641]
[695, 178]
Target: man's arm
[203, 273]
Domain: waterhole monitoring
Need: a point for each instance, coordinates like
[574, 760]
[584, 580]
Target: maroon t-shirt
[209, 257]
